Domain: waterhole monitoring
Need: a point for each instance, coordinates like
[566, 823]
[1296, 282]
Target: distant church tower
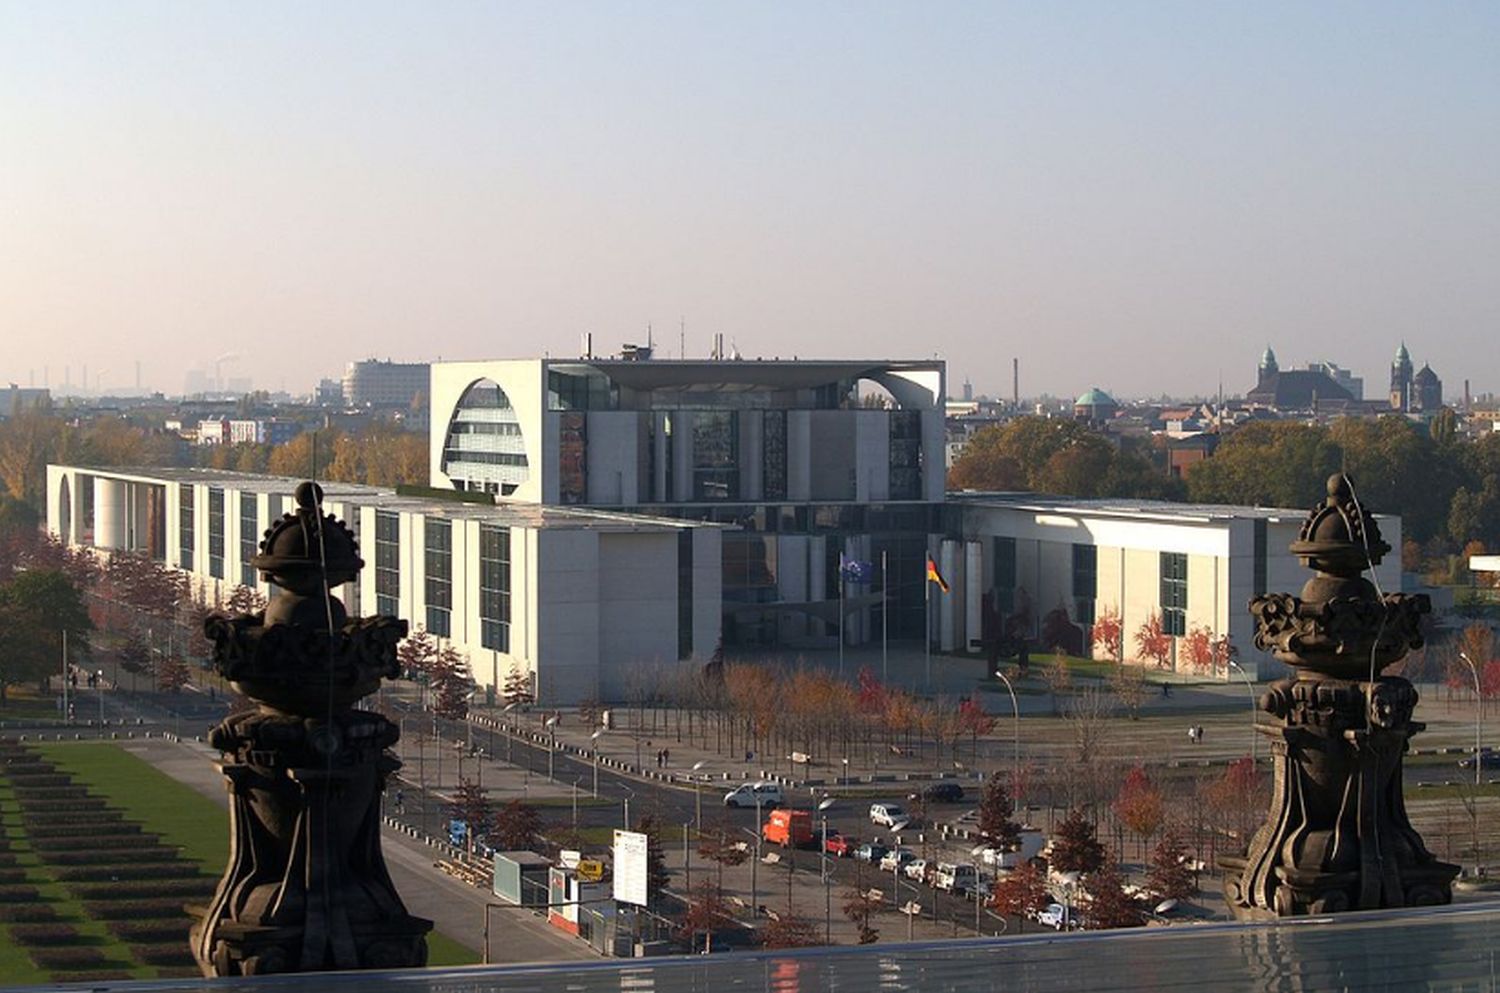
[1268, 366]
[1401, 380]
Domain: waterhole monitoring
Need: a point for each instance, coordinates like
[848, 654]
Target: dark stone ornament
[306, 888]
[1337, 836]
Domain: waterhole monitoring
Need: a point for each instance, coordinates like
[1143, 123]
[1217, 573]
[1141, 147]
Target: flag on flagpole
[933, 576]
[854, 570]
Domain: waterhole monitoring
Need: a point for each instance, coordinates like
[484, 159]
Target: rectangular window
[216, 532]
[185, 517]
[249, 538]
[387, 563]
[906, 454]
[773, 454]
[1085, 582]
[351, 588]
[1005, 576]
[494, 587]
[685, 593]
[438, 552]
[716, 455]
[1174, 593]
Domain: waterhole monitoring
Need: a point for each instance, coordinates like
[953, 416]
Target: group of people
[1195, 734]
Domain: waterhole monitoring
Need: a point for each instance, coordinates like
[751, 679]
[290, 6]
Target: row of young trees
[772, 711]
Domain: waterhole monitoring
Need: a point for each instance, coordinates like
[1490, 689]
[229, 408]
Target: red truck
[789, 828]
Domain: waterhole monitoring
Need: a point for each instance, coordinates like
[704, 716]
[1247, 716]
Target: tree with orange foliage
[707, 911]
[1139, 804]
[1109, 634]
[1021, 893]
[1106, 904]
[1152, 642]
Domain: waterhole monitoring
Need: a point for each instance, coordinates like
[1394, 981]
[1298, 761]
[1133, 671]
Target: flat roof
[511, 513]
[1160, 510]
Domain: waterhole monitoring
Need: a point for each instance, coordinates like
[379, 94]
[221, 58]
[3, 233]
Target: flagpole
[885, 613]
[927, 619]
[841, 616]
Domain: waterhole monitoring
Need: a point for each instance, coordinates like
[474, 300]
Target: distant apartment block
[372, 383]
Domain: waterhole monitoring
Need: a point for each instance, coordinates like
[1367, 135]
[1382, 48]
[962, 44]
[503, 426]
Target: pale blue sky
[1135, 196]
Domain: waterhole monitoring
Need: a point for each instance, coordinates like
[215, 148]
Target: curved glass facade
[483, 449]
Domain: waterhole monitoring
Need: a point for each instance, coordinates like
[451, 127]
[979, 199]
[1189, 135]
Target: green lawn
[181, 815]
[21, 706]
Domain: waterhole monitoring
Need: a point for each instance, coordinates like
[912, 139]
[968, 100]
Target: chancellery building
[587, 518]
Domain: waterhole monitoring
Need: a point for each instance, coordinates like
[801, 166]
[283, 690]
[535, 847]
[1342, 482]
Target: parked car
[982, 890]
[1031, 845]
[889, 814]
[871, 851]
[789, 828]
[895, 859]
[1057, 917]
[938, 793]
[916, 869]
[1487, 760]
[955, 877]
[769, 795]
[840, 845]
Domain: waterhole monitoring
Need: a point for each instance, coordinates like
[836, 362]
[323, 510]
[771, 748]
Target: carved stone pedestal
[306, 888]
[1337, 836]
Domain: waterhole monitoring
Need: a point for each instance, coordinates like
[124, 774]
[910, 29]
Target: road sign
[631, 871]
[590, 870]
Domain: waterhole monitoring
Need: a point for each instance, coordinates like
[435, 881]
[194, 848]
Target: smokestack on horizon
[1015, 383]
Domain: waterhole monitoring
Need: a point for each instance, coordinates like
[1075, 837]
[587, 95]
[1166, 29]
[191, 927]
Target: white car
[895, 858]
[766, 795]
[916, 869]
[955, 877]
[1057, 917]
[888, 814]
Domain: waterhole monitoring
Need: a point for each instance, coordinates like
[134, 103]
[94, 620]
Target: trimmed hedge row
[30, 913]
[29, 795]
[64, 806]
[109, 857]
[125, 872]
[11, 874]
[80, 830]
[92, 977]
[7, 859]
[116, 892]
[50, 818]
[175, 953]
[149, 931]
[37, 780]
[44, 934]
[69, 958]
[19, 893]
[137, 910]
[103, 841]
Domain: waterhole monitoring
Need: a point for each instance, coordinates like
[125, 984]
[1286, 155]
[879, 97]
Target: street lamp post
[1254, 706]
[594, 740]
[629, 795]
[1015, 711]
[575, 804]
[697, 794]
[99, 690]
[551, 723]
[823, 806]
[1478, 754]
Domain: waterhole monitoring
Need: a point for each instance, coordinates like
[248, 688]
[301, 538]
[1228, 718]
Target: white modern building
[373, 383]
[1195, 567]
[576, 599]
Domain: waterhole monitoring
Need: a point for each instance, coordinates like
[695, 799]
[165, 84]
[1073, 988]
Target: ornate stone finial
[1340, 625]
[1337, 836]
[306, 888]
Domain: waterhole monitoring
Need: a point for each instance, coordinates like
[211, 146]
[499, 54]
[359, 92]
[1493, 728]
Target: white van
[955, 877]
[764, 795]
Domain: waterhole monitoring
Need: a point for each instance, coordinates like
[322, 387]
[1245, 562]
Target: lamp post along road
[1254, 706]
[697, 794]
[594, 740]
[552, 745]
[1015, 711]
[823, 806]
[1478, 754]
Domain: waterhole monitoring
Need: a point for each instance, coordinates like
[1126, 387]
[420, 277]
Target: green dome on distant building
[1095, 397]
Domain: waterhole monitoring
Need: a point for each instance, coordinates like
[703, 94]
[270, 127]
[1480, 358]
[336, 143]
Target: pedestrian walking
[666, 757]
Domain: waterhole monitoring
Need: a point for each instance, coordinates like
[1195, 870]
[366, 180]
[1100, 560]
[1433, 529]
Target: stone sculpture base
[1337, 836]
[306, 887]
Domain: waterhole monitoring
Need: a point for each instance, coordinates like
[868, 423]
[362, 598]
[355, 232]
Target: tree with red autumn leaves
[1021, 893]
[1109, 634]
[973, 719]
[1139, 804]
[1152, 643]
[452, 683]
[1075, 845]
[995, 810]
[1106, 904]
[1203, 653]
[707, 911]
[790, 930]
[1169, 875]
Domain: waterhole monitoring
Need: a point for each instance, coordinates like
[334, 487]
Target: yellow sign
[590, 870]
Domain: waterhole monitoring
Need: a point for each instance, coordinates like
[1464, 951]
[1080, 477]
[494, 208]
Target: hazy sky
[1138, 196]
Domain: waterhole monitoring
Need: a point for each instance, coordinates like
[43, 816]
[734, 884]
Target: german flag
[933, 576]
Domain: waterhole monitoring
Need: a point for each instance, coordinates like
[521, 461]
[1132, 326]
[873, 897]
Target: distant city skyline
[1136, 197]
